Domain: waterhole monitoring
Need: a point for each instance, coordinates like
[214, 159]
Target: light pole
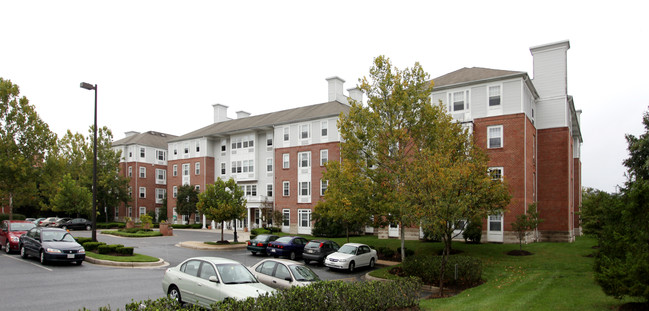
[93, 217]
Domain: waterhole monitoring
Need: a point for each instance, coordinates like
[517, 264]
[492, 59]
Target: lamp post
[93, 217]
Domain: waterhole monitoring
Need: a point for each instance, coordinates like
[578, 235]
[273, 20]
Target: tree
[24, 141]
[622, 265]
[346, 200]
[598, 208]
[186, 200]
[526, 222]
[222, 201]
[72, 198]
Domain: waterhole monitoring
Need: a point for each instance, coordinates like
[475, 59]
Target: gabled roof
[269, 120]
[473, 74]
[150, 138]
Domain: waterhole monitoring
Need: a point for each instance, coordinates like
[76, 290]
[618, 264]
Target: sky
[161, 65]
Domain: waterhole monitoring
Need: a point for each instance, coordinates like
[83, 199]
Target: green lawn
[139, 234]
[134, 258]
[559, 276]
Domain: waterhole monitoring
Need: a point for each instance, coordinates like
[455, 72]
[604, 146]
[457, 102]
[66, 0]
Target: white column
[204, 222]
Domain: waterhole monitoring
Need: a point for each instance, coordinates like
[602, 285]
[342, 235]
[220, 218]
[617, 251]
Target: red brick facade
[205, 177]
[136, 182]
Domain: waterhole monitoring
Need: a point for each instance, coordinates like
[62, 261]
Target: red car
[10, 232]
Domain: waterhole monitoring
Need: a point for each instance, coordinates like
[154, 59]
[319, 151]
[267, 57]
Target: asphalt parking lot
[28, 285]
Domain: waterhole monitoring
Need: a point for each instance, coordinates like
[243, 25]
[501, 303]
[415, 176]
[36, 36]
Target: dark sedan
[317, 250]
[51, 244]
[260, 242]
[76, 224]
[288, 246]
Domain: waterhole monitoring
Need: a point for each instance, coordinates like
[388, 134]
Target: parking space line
[31, 263]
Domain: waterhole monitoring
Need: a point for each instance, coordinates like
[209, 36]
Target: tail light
[260, 244]
[249, 243]
[321, 245]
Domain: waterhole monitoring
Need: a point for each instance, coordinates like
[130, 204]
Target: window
[142, 211]
[186, 149]
[269, 139]
[286, 185]
[269, 164]
[287, 217]
[269, 190]
[251, 190]
[186, 169]
[174, 170]
[197, 168]
[304, 131]
[130, 191]
[130, 211]
[198, 146]
[324, 126]
[161, 176]
[323, 186]
[175, 150]
[304, 216]
[175, 191]
[304, 159]
[160, 195]
[496, 173]
[142, 152]
[142, 172]
[324, 156]
[494, 96]
[161, 155]
[223, 148]
[198, 188]
[286, 132]
[304, 188]
[130, 171]
[286, 159]
[495, 136]
[248, 166]
[142, 192]
[458, 101]
[236, 167]
[222, 168]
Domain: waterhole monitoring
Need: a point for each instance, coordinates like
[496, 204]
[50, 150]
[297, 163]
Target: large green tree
[186, 200]
[25, 139]
[72, 198]
[622, 265]
[222, 201]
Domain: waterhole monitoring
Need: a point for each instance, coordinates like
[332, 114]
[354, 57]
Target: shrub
[126, 251]
[257, 231]
[91, 246]
[473, 232]
[385, 252]
[15, 217]
[194, 226]
[110, 225]
[107, 249]
[134, 230]
[469, 269]
[274, 229]
[327, 227]
[409, 252]
[82, 240]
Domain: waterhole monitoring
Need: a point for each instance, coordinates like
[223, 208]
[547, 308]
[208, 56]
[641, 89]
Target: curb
[203, 246]
[159, 263]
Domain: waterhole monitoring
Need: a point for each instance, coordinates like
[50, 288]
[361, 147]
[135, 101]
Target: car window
[262, 238]
[348, 249]
[364, 249]
[191, 267]
[273, 238]
[304, 274]
[235, 274]
[207, 270]
[335, 246]
[21, 226]
[282, 272]
[266, 268]
[285, 239]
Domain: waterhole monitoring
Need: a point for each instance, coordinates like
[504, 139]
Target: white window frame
[269, 139]
[500, 95]
[142, 172]
[269, 164]
[323, 186]
[287, 133]
[305, 131]
[160, 176]
[452, 97]
[286, 161]
[303, 186]
[198, 146]
[251, 190]
[324, 128]
[197, 168]
[174, 170]
[130, 171]
[286, 217]
[142, 193]
[224, 168]
[489, 136]
[301, 215]
[269, 190]
[174, 191]
[159, 195]
[142, 152]
[324, 156]
[301, 157]
[161, 155]
[497, 168]
[286, 188]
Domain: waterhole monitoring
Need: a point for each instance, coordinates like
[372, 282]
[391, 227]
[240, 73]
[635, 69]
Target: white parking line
[31, 263]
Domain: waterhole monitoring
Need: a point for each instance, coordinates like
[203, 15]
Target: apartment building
[144, 162]
[530, 130]
[277, 158]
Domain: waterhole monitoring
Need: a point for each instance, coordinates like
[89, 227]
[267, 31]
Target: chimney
[356, 94]
[550, 68]
[131, 133]
[220, 113]
[242, 114]
[336, 89]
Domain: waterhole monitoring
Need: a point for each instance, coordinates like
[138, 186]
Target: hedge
[193, 226]
[107, 249]
[91, 246]
[469, 269]
[327, 295]
[15, 217]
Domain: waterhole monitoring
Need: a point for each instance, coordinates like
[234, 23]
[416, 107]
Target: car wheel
[80, 262]
[291, 256]
[23, 252]
[88, 227]
[351, 266]
[7, 248]
[174, 294]
[306, 261]
[372, 263]
[254, 253]
[43, 261]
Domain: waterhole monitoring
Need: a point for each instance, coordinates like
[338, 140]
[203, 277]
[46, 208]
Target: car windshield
[58, 236]
[304, 274]
[313, 244]
[348, 249]
[21, 226]
[285, 239]
[235, 274]
[262, 238]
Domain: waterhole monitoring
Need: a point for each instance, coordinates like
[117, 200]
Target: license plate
[272, 250]
[310, 251]
[70, 255]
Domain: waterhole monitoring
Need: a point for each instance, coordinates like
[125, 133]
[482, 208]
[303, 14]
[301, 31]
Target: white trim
[502, 136]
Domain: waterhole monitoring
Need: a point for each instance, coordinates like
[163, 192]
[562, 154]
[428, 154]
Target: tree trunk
[347, 232]
[403, 242]
[222, 225]
[445, 254]
[11, 206]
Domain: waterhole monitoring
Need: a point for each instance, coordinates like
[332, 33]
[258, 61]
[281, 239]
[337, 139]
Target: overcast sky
[161, 65]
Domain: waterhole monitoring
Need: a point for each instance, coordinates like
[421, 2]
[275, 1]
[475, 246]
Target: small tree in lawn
[526, 222]
[222, 201]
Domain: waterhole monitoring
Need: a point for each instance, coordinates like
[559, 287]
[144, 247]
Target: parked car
[206, 280]
[57, 223]
[260, 242]
[318, 250]
[287, 246]
[76, 224]
[10, 232]
[38, 220]
[350, 256]
[282, 273]
[47, 221]
[51, 244]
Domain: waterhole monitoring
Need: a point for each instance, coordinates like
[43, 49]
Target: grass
[217, 243]
[558, 276]
[135, 258]
[139, 234]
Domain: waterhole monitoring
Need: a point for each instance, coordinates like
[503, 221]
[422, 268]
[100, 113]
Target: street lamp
[93, 217]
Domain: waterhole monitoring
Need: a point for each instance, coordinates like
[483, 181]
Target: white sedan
[206, 280]
[350, 256]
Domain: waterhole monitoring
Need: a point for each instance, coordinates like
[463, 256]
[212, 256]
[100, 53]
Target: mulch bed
[519, 252]
[634, 306]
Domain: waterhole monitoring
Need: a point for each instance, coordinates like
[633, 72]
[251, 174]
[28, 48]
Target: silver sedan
[283, 273]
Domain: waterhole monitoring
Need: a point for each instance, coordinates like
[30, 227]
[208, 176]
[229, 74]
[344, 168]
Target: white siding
[479, 101]
[551, 113]
[511, 97]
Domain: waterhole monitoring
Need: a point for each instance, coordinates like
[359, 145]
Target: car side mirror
[213, 279]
